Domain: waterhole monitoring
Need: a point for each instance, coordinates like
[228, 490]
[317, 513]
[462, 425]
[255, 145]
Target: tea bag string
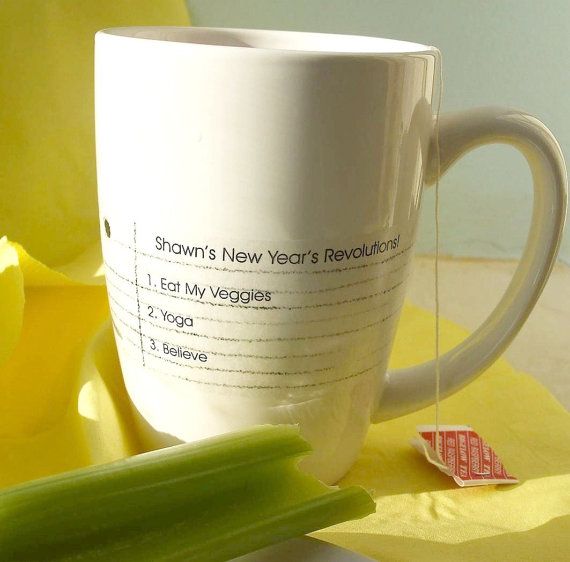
[436, 262]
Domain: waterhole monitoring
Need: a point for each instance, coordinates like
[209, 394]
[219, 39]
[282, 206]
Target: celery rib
[206, 501]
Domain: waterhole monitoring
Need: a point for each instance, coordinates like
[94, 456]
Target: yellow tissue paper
[62, 400]
[422, 515]
[11, 299]
[49, 379]
[48, 200]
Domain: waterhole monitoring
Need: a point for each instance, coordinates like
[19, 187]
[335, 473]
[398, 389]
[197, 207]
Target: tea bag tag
[463, 454]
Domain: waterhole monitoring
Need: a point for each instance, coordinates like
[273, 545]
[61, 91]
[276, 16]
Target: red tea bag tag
[464, 455]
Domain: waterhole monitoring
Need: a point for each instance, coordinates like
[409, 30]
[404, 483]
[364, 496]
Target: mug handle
[409, 389]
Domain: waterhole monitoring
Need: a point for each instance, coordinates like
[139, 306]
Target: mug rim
[259, 41]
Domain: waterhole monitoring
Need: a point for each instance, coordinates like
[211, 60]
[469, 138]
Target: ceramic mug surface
[259, 195]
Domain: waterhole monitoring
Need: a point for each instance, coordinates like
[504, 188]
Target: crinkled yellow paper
[52, 373]
[62, 401]
[48, 199]
[421, 513]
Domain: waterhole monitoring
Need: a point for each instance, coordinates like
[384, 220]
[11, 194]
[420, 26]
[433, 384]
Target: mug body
[259, 194]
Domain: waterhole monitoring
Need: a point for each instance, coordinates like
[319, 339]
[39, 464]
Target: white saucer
[304, 549]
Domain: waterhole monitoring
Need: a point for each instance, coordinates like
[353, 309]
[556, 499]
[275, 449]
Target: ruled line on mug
[309, 321]
[221, 353]
[340, 287]
[248, 307]
[243, 371]
[264, 271]
[275, 387]
[261, 340]
[171, 329]
[252, 322]
[267, 387]
[312, 291]
[137, 288]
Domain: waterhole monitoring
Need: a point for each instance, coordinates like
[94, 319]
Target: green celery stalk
[206, 501]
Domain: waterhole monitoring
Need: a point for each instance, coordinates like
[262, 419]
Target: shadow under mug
[259, 194]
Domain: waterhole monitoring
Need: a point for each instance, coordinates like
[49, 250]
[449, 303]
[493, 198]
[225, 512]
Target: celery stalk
[206, 501]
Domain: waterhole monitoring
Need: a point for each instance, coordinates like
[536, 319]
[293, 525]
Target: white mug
[259, 194]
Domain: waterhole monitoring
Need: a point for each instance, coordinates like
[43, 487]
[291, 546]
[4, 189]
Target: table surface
[469, 289]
